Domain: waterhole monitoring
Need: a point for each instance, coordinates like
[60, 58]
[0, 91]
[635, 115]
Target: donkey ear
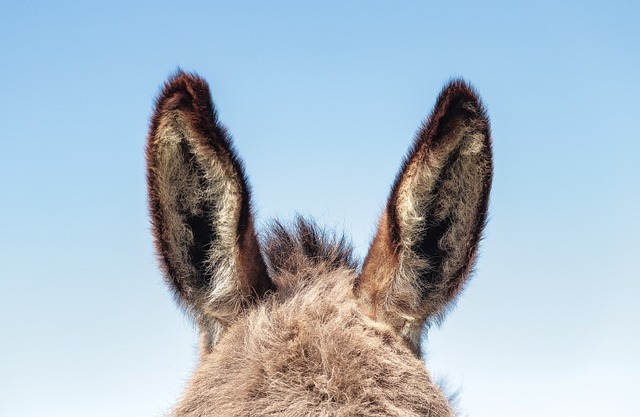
[200, 209]
[428, 235]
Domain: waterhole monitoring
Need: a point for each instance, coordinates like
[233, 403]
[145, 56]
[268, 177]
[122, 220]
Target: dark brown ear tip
[184, 90]
[459, 88]
[460, 93]
[458, 103]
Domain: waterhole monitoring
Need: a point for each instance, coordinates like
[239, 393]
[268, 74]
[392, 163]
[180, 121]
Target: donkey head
[291, 326]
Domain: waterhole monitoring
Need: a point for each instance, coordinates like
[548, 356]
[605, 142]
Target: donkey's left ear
[428, 235]
[200, 208]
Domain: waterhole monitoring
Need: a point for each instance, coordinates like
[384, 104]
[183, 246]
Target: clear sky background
[323, 100]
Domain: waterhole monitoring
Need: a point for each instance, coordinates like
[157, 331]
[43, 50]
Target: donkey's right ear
[200, 208]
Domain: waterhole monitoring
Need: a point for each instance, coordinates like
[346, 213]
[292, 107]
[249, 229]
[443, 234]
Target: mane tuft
[296, 248]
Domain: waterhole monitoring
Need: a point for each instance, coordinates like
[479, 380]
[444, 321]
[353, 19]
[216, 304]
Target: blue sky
[323, 100]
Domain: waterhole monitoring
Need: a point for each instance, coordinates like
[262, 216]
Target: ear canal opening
[429, 248]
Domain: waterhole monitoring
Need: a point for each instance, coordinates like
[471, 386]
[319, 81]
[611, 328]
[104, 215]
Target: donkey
[291, 324]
